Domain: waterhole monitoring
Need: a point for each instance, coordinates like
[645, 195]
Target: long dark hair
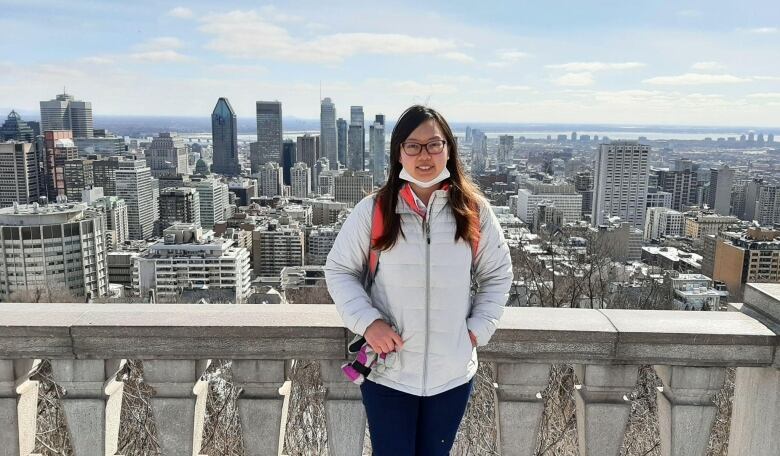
[464, 194]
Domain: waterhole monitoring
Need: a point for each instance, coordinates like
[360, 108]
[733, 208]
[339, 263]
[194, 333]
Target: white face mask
[445, 173]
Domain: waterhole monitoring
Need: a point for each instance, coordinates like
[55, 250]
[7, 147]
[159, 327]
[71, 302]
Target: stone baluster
[83, 402]
[27, 406]
[260, 403]
[520, 405]
[173, 403]
[686, 409]
[344, 413]
[9, 422]
[114, 390]
[603, 407]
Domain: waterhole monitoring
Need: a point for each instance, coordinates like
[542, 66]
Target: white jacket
[422, 286]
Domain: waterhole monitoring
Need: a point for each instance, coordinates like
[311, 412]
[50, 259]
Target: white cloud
[596, 66]
[512, 88]
[274, 14]
[761, 30]
[160, 43]
[512, 55]
[765, 95]
[181, 12]
[160, 56]
[767, 78]
[707, 66]
[97, 60]
[696, 79]
[418, 88]
[247, 34]
[574, 79]
[458, 57]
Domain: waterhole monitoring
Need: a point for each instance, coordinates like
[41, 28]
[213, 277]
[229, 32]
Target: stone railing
[690, 352]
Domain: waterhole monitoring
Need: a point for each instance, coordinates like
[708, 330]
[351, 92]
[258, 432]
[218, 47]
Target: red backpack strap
[475, 242]
[377, 229]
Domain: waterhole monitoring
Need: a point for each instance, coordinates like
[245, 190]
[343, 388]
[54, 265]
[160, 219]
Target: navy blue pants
[403, 424]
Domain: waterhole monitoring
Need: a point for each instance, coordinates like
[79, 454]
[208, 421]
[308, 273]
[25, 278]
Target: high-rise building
[134, 185]
[58, 148]
[682, 183]
[561, 196]
[244, 189]
[739, 258]
[104, 174]
[762, 202]
[326, 181]
[656, 198]
[224, 134]
[325, 211]
[213, 198]
[275, 247]
[583, 184]
[506, 144]
[662, 221]
[67, 113]
[179, 205]
[328, 132]
[269, 131]
[289, 158]
[270, 180]
[114, 213]
[319, 243]
[15, 129]
[78, 176]
[342, 128]
[307, 148]
[478, 152]
[167, 155]
[192, 263]
[52, 245]
[352, 186]
[356, 148]
[19, 174]
[721, 182]
[620, 183]
[376, 137]
[300, 175]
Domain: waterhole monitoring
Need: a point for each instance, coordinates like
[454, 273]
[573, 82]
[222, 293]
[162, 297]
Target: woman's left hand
[473, 339]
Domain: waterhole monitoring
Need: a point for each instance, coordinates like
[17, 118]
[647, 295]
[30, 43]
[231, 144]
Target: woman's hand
[381, 337]
[473, 339]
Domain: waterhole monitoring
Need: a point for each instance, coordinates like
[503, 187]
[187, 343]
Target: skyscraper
[376, 137]
[307, 151]
[721, 181]
[104, 174]
[506, 144]
[224, 134]
[78, 176]
[18, 174]
[167, 156]
[328, 133]
[134, 185]
[213, 198]
[67, 113]
[352, 186]
[15, 129]
[58, 147]
[356, 145]
[620, 182]
[343, 128]
[179, 204]
[288, 160]
[300, 176]
[269, 131]
[270, 180]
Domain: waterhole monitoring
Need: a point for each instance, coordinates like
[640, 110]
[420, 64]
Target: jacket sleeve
[493, 276]
[346, 265]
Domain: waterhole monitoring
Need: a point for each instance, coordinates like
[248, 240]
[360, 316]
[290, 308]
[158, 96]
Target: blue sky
[695, 62]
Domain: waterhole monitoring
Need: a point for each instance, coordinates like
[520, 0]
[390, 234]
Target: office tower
[376, 145]
[478, 152]
[721, 181]
[114, 213]
[191, 264]
[326, 181]
[574, 136]
[15, 129]
[656, 198]
[275, 247]
[179, 205]
[63, 246]
[318, 244]
[343, 128]
[561, 196]
[620, 183]
[288, 159]
[134, 185]
[682, 183]
[583, 184]
[19, 174]
[328, 133]
[224, 134]
[356, 148]
[104, 174]
[770, 138]
[78, 176]
[67, 113]
[167, 156]
[662, 221]
[352, 186]
[307, 149]
[763, 199]
[300, 175]
[380, 118]
[506, 144]
[269, 131]
[213, 198]
[244, 189]
[58, 147]
[270, 179]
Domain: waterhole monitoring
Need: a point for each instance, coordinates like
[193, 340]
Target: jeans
[403, 424]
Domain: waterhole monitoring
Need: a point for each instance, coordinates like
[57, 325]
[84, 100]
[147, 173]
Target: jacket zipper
[427, 232]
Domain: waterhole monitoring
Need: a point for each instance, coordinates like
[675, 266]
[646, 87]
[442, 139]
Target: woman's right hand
[381, 337]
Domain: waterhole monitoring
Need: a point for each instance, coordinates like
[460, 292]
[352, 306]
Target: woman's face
[425, 166]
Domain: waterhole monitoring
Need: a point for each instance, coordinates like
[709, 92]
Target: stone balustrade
[87, 343]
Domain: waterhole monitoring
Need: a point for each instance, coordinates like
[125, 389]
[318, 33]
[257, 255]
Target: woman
[419, 303]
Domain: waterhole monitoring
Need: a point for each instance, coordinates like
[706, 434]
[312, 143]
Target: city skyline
[692, 63]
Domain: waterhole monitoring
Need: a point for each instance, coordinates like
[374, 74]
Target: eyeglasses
[434, 147]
